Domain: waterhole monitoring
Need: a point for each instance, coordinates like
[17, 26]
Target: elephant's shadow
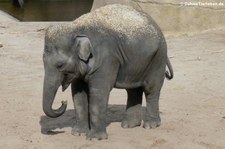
[50, 126]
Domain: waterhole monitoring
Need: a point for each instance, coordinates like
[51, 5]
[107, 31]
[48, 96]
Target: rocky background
[179, 16]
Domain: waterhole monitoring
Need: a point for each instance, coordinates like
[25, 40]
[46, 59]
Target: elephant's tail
[169, 74]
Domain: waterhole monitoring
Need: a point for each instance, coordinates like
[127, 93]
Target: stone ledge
[175, 18]
[4, 17]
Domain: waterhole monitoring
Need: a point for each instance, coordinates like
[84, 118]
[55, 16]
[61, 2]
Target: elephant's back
[123, 20]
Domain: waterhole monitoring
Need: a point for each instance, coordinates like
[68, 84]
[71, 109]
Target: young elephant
[114, 46]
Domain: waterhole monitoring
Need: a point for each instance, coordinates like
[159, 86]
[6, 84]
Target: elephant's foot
[132, 117]
[97, 135]
[130, 123]
[152, 123]
[79, 130]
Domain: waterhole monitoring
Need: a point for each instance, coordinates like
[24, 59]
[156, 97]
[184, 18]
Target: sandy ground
[192, 105]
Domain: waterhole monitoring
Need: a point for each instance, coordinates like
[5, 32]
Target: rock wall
[179, 16]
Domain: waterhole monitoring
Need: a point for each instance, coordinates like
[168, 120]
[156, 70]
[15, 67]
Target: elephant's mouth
[67, 79]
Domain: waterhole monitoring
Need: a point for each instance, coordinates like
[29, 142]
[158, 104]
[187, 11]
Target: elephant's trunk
[50, 88]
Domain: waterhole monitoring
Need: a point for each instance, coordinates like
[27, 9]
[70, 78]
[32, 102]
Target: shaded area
[50, 126]
[47, 10]
[18, 3]
[115, 113]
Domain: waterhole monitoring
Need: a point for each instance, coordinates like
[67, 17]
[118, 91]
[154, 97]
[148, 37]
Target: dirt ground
[192, 105]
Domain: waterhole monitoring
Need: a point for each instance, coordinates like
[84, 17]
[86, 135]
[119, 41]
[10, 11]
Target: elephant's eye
[47, 51]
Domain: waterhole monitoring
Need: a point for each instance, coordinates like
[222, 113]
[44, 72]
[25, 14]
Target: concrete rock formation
[175, 16]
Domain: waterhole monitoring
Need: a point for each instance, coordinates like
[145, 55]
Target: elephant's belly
[128, 85]
[129, 79]
[134, 69]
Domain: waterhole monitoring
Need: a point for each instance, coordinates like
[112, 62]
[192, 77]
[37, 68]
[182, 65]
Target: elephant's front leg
[80, 99]
[98, 108]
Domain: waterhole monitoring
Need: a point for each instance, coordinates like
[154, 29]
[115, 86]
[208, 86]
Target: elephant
[114, 46]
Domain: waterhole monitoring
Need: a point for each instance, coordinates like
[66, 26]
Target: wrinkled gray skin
[94, 63]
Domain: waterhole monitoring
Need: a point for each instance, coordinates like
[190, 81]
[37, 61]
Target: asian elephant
[113, 46]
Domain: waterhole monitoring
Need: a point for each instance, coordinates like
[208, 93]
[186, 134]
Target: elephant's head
[65, 56]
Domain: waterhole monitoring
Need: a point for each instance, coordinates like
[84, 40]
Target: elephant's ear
[84, 47]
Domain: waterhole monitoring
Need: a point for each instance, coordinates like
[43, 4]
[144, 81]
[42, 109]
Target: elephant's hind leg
[152, 93]
[133, 113]
[152, 117]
